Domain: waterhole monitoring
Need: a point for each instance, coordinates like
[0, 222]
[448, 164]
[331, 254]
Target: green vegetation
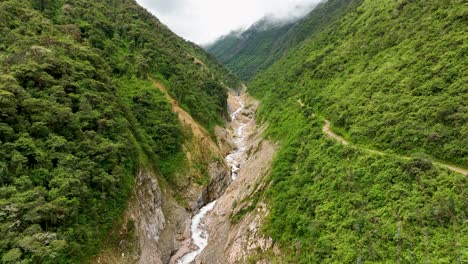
[248, 52]
[336, 204]
[152, 120]
[78, 118]
[245, 206]
[391, 76]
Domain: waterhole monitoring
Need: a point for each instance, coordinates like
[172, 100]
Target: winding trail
[199, 234]
[327, 130]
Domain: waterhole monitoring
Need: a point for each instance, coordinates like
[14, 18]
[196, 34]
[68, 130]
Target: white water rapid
[199, 236]
[234, 159]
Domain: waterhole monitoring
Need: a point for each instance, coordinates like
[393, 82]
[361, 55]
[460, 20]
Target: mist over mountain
[248, 51]
[204, 21]
[123, 143]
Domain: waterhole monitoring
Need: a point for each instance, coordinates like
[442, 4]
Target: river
[199, 234]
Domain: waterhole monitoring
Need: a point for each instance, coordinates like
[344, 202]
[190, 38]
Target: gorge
[337, 137]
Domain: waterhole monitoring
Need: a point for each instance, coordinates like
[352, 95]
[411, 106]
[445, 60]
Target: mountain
[247, 52]
[114, 135]
[244, 52]
[80, 117]
[369, 111]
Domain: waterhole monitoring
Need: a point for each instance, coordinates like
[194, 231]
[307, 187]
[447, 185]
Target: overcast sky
[202, 21]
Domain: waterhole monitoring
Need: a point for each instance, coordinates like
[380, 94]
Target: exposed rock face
[161, 225]
[234, 242]
[148, 217]
[223, 136]
[220, 180]
[143, 234]
[246, 237]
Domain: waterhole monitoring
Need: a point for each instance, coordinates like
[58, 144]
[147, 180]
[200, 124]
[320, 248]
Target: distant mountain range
[246, 52]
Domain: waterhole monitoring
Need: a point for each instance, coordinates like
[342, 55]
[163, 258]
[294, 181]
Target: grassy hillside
[78, 117]
[391, 76]
[248, 52]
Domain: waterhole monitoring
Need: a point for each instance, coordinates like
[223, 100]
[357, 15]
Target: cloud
[202, 21]
[163, 6]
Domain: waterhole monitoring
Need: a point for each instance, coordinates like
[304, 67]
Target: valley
[212, 226]
[339, 136]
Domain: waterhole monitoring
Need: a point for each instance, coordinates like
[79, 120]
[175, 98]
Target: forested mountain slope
[391, 77]
[245, 51]
[248, 52]
[79, 117]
